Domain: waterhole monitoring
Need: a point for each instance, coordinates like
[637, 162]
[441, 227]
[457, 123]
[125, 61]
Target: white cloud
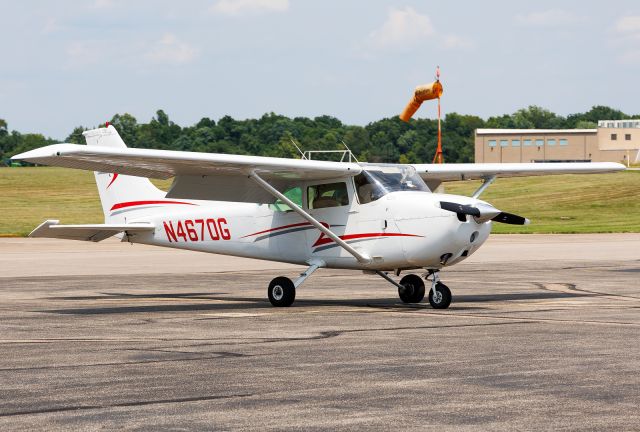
[171, 50]
[99, 52]
[628, 24]
[240, 7]
[627, 37]
[550, 18]
[403, 28]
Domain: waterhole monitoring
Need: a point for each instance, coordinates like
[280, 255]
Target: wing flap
[95, 232]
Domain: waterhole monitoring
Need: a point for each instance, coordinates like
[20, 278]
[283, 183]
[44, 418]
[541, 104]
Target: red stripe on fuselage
[283, 227]
[326, 240]
[140, 203]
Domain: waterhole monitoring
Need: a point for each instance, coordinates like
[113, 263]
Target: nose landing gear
[411, 289]
[439, 294]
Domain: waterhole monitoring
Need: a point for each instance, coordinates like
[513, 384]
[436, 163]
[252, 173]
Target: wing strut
[486, 182]
[296, 208]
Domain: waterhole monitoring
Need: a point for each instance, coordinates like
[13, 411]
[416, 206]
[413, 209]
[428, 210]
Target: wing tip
[49, 151]
[43, 227]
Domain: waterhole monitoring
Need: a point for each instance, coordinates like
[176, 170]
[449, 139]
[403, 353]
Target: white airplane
[376, 218]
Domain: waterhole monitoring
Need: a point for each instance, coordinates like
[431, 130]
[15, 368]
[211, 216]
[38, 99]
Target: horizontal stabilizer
[94, 232]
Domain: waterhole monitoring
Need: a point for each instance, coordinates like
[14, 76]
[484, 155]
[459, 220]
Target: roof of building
[534, 131]
[619, 124]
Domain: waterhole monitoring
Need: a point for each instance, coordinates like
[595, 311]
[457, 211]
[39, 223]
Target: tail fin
[117, 189]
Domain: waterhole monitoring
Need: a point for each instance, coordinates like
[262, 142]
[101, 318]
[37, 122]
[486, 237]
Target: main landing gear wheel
[412, 290]
[281, 292]
[441, 299]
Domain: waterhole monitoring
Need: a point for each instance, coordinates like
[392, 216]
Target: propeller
[484, 212]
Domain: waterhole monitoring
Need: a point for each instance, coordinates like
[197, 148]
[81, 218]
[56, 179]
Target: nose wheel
[440, 296]
[411, 289]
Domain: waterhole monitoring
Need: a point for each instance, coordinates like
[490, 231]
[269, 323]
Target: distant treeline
[386, 140]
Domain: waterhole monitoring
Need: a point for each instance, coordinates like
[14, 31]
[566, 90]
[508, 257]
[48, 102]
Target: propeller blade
[483, 212]
[459, 208]
[512, 219]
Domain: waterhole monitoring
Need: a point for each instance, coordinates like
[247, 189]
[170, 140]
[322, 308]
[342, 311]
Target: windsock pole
[438, 156]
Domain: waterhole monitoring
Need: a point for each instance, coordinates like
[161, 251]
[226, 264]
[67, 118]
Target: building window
[627, 137]
[614, 137]
[539, 142]
[492, 143]
[504, 143]
[563, 141]
[551, 141]
[526, 142]
[515, 143]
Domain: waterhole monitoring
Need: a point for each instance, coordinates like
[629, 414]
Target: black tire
[281, 292]
[413, 291]
[442, 299]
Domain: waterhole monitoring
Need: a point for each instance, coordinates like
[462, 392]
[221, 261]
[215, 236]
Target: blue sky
[68, 63]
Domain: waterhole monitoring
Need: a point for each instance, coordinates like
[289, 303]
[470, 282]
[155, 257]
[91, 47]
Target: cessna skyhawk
[376, 218]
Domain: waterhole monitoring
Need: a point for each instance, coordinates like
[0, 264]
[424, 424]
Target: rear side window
[294, 194]
[328, 195]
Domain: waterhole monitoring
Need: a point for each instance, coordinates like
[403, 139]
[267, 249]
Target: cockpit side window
[294, 194]
[328, 195]
[367, 189]
[374, 182]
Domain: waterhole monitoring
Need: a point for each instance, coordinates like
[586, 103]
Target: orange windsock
[421, 94]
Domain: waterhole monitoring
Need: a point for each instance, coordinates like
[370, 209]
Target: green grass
[28, 196]
[565, 203]
[555, 204]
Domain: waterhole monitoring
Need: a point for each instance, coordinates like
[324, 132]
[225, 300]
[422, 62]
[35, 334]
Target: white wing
[206, 176]
[210, 176]
[450, 172]
[166, 163]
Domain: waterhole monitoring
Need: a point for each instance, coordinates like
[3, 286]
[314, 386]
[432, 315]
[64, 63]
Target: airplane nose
[483, 212]
[487, 212]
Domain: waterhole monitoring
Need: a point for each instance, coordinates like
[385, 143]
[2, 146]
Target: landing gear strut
[439, 294]
[411, 289]
[282, 290]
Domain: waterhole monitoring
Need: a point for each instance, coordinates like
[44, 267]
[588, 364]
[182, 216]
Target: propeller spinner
[483, 212]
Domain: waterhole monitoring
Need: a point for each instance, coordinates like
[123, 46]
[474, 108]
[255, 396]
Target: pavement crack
[123, 363]
[124, 404]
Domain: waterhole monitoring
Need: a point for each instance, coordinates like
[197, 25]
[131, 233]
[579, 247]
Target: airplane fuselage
[401, 230]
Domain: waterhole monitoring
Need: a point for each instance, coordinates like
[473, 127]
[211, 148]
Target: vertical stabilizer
[117, 189]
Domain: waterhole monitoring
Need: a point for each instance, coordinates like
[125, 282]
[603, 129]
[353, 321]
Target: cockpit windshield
[375, 181]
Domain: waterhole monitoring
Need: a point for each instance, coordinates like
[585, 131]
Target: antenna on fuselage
[298, 148]
[351, 155]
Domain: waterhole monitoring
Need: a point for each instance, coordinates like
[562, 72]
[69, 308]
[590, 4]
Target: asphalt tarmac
[543, 334]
